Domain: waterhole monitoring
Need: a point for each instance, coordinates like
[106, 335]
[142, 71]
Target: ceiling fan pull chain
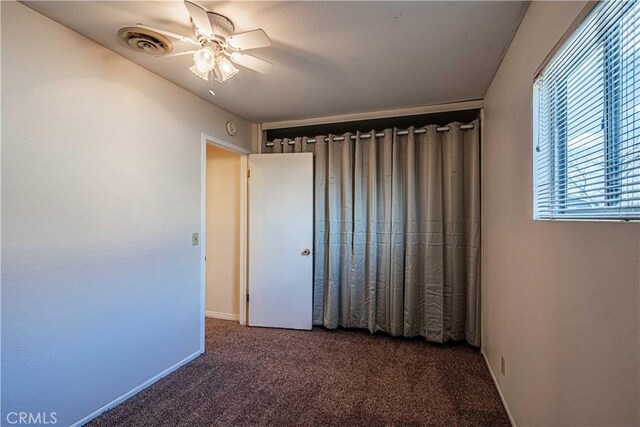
[211, 92]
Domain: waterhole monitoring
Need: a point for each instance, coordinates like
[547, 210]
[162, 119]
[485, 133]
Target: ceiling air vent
[145, 41]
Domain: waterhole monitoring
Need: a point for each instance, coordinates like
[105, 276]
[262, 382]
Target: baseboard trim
[136, 390]
[223, 316]
[495, 381]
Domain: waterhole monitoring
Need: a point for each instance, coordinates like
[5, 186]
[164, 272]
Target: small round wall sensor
[232, 129]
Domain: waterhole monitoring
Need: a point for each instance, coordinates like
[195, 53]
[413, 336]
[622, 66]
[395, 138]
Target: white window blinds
[587, 120]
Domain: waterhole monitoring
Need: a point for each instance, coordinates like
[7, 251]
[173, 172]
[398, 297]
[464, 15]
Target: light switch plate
[195, 239]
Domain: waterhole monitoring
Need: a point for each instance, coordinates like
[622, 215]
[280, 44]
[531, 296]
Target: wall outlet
[502, 365]
[195, 239]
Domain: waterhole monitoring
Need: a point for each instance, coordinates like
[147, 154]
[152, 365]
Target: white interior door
[281, 240]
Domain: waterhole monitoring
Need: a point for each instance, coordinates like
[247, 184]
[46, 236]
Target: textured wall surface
[561, 299]
[101, 164]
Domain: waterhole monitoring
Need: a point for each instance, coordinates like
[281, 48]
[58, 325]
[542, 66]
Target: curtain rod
[380, 134]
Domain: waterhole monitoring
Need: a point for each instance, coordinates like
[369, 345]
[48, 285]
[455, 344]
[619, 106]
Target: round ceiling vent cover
[145, 41]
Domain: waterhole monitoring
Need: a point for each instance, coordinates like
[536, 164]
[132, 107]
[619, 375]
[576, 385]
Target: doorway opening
[224, 229]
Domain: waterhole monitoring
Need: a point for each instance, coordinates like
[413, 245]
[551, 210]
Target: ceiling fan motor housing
[221, 25]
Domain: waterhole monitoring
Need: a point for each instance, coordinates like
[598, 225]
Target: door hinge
[247, 297]
[248, 173]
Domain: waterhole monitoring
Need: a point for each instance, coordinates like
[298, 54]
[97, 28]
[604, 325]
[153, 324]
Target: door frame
[244, 155]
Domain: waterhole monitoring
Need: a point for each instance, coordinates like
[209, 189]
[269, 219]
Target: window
[587, 120]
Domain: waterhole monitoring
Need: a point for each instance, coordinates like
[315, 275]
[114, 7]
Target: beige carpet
[274, 377]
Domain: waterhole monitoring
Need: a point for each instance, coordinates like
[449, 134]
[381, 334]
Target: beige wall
[561, 299]
[101, 173]
[223, 232]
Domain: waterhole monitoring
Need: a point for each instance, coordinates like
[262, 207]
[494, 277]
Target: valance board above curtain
[397, 230]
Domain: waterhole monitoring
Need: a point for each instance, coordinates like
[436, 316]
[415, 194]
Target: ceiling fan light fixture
[203, 74]
[224, 69]
[204, 59]
[218, 47]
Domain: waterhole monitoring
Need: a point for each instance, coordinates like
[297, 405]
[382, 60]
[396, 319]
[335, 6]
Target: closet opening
[396, 222]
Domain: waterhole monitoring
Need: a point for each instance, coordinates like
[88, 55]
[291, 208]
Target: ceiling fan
[218, 48]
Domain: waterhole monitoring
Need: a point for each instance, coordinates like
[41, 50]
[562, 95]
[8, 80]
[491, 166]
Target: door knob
[306, 252]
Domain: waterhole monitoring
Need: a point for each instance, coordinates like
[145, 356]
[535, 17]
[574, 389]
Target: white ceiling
[330, 57]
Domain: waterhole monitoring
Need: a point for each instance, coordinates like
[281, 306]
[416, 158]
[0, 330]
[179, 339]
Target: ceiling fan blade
[249, 40]
[199, 18]
[251, 62]
[180, 37]
[186, 52]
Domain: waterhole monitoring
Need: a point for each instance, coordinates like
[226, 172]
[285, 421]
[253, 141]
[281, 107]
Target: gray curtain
[397, 232]
[286, 145]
